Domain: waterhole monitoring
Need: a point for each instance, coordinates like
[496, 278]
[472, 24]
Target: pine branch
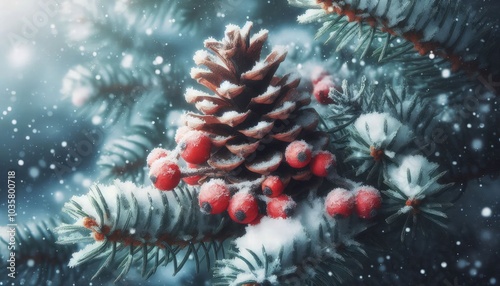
[124, 158]
[436, 30]
[307, 253]
[181, 16]
[39, 260]
[126, 226]
[393, 31]
[108, 90]
[95, 25]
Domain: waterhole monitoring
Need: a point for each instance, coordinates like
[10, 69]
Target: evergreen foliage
[387, 134]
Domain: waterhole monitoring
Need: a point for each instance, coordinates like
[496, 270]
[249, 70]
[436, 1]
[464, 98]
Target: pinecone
[251, 116]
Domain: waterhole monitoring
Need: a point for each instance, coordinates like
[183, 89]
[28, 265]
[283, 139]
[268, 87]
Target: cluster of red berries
[365, 201]
[299, 155]
[322, 83]
[243, 201]
[242, 205]
[194, 148]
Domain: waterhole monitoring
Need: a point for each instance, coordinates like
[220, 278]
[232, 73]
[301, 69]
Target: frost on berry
[156, 154]
[214, 196]
[282, 206]
[339, 202]
[322, 163]
[180, 133]
[298, 154]
[243, 208]
[321, 90]
[368, 201]
[165, 174]
[272, 186]
[195, 146]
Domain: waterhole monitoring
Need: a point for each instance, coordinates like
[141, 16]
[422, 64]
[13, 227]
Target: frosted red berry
[282, 206]
[322, 163]
[165, 174]
[195, 147]
[339, 203]
[214, 197]
[298, 154]
[321, 90]
[156, 154]
[272, 186]
[243, 208]
[368, 201]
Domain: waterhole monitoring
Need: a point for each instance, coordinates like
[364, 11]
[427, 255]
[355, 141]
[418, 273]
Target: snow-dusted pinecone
[258, 124]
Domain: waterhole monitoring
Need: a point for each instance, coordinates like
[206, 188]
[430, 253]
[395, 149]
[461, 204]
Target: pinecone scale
[250, 114]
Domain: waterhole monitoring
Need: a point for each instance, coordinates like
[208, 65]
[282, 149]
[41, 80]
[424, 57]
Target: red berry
[298, 154]
[368, 201]
[214, 197]
[322, 163]
[339, 202]
[195, 147]
[321, 90]
[165, 174]
[272, 186]
[243, 208]
[156, 154]
[282, 206]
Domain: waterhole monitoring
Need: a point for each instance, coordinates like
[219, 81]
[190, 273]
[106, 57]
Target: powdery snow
[273, 234]
[205, 104]
[259, 126]
[261, 33]
[225, 86]
[229, 115]
[415, 164]
[376, 135]
[195, 71]
[200, 56]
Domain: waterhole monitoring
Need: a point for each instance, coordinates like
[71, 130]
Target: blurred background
[41, 131]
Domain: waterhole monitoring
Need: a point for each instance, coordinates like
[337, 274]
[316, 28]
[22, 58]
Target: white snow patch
[205, 104]
[273, 234]
[376, 135]
[192, 121]
[280, 49]
[200, 56]
[415, 165]
[258, 66]
[261, 33]
[191, 94]
[195, 71]
[259, 126]
[271, 89]
[230, 116]
[225, 86]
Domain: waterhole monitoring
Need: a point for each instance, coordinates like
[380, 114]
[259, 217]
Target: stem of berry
[204, 171]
